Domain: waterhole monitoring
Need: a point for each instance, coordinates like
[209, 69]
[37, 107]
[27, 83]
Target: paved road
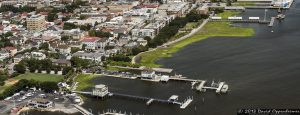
[175, 41]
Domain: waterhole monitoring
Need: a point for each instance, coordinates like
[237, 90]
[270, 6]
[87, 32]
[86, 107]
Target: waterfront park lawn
[84, 81]
[34, 76]
[211, 29]
[40, 77]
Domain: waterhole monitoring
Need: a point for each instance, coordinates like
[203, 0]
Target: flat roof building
[36, 23]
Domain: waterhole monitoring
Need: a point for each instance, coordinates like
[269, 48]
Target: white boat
[224, 89]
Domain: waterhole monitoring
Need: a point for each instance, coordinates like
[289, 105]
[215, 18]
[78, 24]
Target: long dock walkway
[272, 22]
[183, 79]
[82, 110]
[242, 21]
[148, 99]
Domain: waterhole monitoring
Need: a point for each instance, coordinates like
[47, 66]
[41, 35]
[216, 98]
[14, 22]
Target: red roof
[10, 48]
[44, 13]
[24, 14]
[90, 39]
[148, 6]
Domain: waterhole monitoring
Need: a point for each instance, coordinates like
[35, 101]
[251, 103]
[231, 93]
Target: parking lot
[21, 98]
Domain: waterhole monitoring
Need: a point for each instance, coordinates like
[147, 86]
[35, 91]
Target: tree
[20, 68]
[65, 38]
[147, 38]
[69, 26]
[4, 42]
[52, 16]
[74, 49]
[78, 62]
[120, 57]
[193, 16]
[83, 46]
[100, 34]
[44, 46]
[67, 70]
[85, 27]
[48, 70]
[32, 64]
[49, 87]
[2, 79]
[46, 64]
[228, 2]
[81, 17]
[95, 24]
[8, 34]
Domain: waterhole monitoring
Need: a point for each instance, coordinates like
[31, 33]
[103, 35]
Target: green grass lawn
[84, 81]
[35, 76]
[227, 14]
[2, 88]
[243, 4]
[211, 29]
[40, 77]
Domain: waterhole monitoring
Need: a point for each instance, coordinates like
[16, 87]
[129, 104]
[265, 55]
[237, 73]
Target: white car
[16, 94]
[24, 97]
[29, 94]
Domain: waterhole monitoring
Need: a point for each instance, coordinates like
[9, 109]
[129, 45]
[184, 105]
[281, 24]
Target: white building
[91, 20]
[94, 43]
[141, 33]
[148, 74]
[4, 54]
[96, 57]
[40, 103]
[38, 55]
[100, 90]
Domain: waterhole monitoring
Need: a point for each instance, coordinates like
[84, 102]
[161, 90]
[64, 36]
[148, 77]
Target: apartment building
[36, 23]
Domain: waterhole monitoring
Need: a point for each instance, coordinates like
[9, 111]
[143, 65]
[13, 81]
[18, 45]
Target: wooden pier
[82, 110]
[148, 100]
[183, 79]
[271, 22]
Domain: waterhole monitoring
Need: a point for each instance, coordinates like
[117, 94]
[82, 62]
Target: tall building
[35, 23]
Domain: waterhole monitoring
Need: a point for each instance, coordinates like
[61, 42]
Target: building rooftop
[90, 39]
[100, 86]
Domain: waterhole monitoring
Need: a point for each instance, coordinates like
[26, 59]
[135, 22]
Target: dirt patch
[11, 82]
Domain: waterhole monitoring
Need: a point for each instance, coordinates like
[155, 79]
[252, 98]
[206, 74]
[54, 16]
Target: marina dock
[272, 22]
[242, 21]
[186, 103]
[149, 100]
[220, 87]
[82, 110]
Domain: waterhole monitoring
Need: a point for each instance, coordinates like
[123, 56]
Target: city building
[148, 74]
[4, 54]
[40, 103]
[94, 43]
[36, 23]
[37, 55]
[141, 33]
[256, 1]
[96, 57]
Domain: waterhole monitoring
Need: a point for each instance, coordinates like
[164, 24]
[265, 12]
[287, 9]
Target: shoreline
[211, 29]
[67, 111]
[62, 109]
